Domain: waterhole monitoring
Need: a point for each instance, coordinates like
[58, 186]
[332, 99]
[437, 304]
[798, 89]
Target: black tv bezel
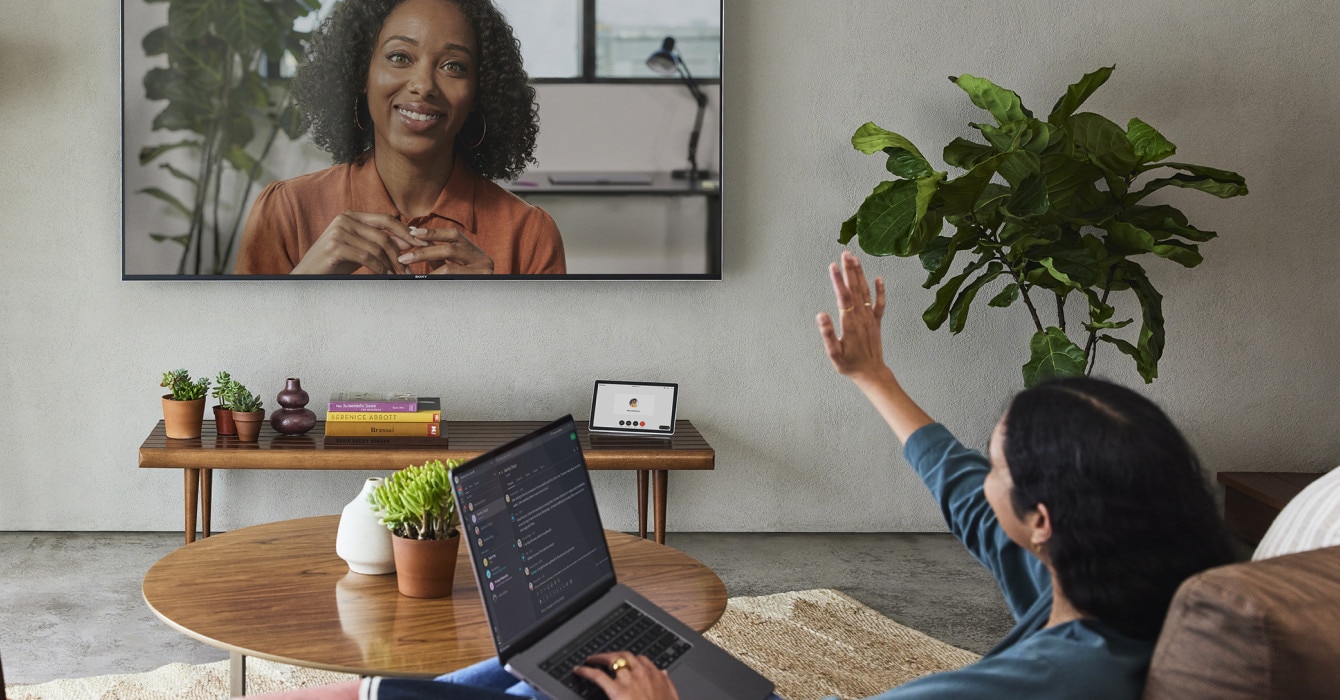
[715, 266]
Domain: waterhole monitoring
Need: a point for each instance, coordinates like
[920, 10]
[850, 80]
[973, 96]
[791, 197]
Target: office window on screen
[557, 44]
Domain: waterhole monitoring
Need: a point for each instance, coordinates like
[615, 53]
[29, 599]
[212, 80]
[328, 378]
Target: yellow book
[369, 429]
[431, 415]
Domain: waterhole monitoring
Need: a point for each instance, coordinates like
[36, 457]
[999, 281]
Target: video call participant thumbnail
[421, 104]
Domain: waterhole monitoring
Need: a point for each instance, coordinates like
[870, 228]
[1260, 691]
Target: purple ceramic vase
[293, 418]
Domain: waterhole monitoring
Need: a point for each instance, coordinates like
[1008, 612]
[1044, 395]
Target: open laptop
[538, 551]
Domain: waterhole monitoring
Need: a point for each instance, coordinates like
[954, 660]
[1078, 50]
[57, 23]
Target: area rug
[812, 644]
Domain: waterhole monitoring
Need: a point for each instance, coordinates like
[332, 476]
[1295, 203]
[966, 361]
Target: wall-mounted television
[422, 139]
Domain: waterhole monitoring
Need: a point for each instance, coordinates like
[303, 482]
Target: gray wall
[1249, 372]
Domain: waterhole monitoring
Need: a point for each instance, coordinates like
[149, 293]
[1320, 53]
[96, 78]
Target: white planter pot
[362, 541]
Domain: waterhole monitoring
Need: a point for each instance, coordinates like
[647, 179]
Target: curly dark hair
[330, 83]
[1132, 514]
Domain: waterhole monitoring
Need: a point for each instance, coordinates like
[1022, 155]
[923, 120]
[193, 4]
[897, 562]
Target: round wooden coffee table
[279, 592]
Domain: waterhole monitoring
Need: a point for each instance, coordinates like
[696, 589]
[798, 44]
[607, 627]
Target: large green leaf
[1163, 221]
[1104, 142]
[190, 19]
[871, 139]
[958, 312]
[960, 195]
[1003, 104]
[1007, 296]
[1071, 185]
[1218, 188]
[1030, 197]
[1184, 254]
[962, 153]
[177, 173]
[1076, 94]
[159, 194]
[149, 153]
[887, 221]
[1052, 356]
[247, 25]
[1128, 239]
[964, 238]
[1151, 339]
[936, 314]
[1149, 144]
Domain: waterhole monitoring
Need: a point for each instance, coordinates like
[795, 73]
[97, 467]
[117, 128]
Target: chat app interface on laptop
[634, 407]
[534, 531]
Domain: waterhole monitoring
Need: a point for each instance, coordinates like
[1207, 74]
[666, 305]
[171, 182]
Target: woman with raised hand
[1089, 510]
[422, 104]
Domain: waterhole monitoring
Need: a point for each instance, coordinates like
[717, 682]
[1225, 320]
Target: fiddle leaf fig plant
[1044, 209]
[417, 503]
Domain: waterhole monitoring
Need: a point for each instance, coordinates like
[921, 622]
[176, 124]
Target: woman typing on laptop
[1090, 509]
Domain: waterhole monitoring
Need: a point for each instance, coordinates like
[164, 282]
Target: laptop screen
[534, 534]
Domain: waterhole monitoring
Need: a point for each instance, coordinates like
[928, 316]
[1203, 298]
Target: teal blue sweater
[1078, 659]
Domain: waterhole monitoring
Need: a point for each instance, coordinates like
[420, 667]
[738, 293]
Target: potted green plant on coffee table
[247, 413]
[417, 505]
[184, 406]
[1046, 208]
[224, 387]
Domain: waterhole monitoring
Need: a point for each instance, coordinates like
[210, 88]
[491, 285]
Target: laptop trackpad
[691, 684]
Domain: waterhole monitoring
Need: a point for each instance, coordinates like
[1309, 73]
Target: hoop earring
[485, 132]
[358, 122]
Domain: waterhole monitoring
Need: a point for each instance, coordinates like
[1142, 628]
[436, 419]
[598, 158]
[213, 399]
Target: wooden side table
[652, 458]
[1252, 500]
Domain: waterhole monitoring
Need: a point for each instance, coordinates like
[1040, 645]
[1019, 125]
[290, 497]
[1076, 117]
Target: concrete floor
[70, 603]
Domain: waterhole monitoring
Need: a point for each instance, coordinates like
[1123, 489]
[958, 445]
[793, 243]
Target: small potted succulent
[417, 505]
[247, 413]
[184, 407]
[224, 386]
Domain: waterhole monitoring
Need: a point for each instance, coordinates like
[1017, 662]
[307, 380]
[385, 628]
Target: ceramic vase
[294, 418]
[223, 421]
[183, 419]
[425, 568]
[248, 424]
[362, 541]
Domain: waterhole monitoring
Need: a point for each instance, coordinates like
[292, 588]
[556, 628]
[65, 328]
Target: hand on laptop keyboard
[623, 676]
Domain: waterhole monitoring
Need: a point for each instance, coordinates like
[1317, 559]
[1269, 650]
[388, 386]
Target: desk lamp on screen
[667, 61]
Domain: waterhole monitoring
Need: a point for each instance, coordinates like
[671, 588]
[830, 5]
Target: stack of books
[363, 418]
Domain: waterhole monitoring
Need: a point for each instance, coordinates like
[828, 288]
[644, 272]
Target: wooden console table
[651, 458]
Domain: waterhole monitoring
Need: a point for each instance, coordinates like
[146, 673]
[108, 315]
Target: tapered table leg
[192, 494]
[237, 674]
[206, 484]
[662, 484]
[642, 475]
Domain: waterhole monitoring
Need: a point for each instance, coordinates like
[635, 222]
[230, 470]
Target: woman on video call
[422, 104]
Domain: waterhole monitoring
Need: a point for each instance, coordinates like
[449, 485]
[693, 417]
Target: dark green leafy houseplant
[417, 503]
[216, 93]
[1051, 207]
[178, 381]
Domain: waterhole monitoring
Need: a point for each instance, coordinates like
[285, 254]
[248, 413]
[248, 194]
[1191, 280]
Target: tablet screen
[639, 408]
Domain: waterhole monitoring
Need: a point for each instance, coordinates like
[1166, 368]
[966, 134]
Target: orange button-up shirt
[289, 215]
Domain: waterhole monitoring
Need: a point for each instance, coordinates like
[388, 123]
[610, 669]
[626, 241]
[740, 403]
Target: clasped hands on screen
[386, 246]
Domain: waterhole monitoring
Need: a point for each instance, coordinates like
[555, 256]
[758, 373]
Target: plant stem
[1091, 347]
[1060, 311]
[1023, 290]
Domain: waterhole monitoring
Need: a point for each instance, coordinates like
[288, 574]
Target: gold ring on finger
[849, 308]
[618, 665]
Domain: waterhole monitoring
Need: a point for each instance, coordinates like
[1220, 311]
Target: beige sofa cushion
[1259, 630]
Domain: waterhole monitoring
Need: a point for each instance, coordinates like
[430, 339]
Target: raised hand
[858, 352]
[358, 239]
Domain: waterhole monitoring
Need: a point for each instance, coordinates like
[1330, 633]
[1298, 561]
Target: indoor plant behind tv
[1048, 208]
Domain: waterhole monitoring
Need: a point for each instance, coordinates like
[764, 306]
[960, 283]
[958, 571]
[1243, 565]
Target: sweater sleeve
[269, 240]
[955, 474]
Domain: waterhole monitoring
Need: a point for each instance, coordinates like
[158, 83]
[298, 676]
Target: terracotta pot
[182, 419]
[223, 421]
[248, 424]
[425, 568]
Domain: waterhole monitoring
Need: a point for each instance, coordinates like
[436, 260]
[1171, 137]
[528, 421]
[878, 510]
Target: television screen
[421, 139]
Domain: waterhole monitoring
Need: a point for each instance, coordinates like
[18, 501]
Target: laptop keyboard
[624, 629]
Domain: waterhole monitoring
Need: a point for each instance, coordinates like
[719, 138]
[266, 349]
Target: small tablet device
[634, 408]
